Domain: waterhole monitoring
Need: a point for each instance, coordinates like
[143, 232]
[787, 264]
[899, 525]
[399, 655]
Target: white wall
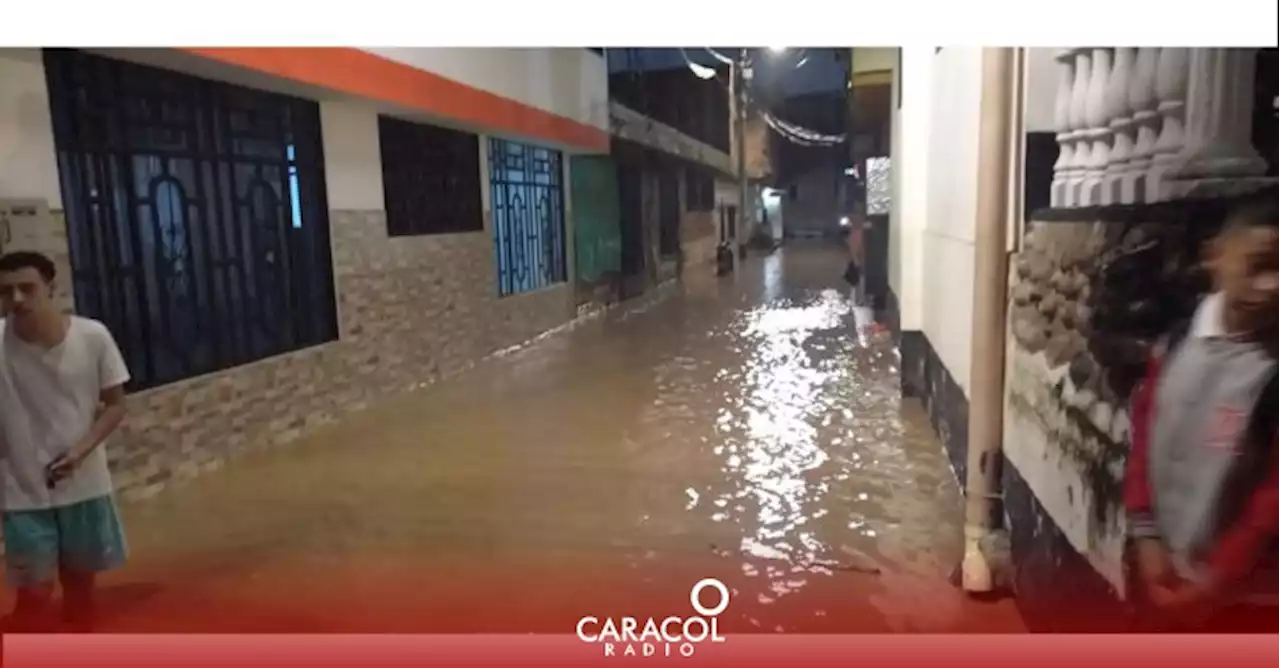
[934, 146]
[948, 239]
[571, 83]
[568, 82]
[28, 165]
[352, 156]
[874, 59]
[1041, 85]
[909, 180]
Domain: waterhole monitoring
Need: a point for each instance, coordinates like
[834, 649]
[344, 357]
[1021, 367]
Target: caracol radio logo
[669, 637]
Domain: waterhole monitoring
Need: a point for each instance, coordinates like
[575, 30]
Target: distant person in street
[1201, 479]
[853, 270]
[61, 395]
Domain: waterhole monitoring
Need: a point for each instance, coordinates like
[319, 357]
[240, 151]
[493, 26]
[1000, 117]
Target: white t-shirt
[48, 401]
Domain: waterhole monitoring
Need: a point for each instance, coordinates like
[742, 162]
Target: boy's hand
[61, 468]
[1152, 563]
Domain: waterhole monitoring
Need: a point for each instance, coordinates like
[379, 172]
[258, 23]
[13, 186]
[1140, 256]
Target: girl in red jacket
[1201, 480]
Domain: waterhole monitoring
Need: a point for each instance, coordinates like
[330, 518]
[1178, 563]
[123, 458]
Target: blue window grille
[527, 199]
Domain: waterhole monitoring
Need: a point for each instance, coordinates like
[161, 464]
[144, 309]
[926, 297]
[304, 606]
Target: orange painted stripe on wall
[367, 75]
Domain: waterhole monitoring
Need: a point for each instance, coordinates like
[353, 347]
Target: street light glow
[702, 71]
[777, 49]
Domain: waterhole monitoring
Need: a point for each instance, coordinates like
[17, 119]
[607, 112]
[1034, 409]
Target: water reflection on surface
[740, 429]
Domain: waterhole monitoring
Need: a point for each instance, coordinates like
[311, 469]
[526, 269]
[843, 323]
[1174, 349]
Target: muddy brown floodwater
[739, 429]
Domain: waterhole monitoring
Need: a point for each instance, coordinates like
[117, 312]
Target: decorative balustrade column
[1098, 132]
[1121, 126]
[1078, 136]
[1218, 148]
[1063, 128]
[1145, 126]
[1171, 91]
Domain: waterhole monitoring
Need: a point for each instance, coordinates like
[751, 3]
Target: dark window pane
[430, 178]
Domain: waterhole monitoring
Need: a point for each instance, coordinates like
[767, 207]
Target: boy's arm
[112, 376]
[107, 420]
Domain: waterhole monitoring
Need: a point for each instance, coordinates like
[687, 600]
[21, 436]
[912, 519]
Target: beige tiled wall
[411, 311]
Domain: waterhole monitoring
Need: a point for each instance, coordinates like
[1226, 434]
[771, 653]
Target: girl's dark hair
[1257, 212]
[29, 259]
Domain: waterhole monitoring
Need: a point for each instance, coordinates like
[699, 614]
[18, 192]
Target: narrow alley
[453, 340]
[736, 429]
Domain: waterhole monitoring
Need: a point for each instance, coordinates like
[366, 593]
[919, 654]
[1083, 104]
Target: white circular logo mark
[695, 593]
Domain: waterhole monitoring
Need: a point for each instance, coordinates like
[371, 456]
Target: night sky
[823, 72]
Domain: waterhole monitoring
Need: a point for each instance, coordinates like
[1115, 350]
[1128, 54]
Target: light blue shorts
[86, 537]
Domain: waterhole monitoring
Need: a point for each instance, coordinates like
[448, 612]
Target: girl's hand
[1186, 603]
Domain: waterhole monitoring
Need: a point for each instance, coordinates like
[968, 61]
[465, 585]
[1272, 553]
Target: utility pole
[741, 73]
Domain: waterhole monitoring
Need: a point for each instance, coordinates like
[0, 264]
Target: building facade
[279, 236]
[814, 180]
[1124, 161]
[676, 149]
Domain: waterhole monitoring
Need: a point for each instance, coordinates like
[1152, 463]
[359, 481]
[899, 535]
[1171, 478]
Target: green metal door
[597, 231]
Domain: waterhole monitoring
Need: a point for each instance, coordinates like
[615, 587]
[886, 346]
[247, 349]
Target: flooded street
[738, 429]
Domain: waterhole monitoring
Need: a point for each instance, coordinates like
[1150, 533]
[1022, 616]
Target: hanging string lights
[790, 131]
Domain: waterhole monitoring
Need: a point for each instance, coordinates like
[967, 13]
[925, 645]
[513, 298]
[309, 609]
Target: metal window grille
[527, 198]
[196, 215]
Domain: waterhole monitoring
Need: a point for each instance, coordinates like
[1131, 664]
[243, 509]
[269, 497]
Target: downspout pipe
[983, 569]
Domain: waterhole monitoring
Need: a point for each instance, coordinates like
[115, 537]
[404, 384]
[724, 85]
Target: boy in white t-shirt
[61, 395]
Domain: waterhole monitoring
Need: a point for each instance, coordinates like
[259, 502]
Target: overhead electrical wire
[800, 132]
[801, 59]
[719, 56]
[786, 134]
[790, 131]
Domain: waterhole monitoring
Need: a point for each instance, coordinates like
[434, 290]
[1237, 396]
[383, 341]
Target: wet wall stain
[1094, 290]
[926, 377]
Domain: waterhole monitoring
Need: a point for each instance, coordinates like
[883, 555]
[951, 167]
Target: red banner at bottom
[994, 651]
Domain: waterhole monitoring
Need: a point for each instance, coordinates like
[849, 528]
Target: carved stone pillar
[1062, 127]
[1171, 91]
[1078, 136]
[1219, 120]
[1098, 132]
[1122, 124]
[1146, 126]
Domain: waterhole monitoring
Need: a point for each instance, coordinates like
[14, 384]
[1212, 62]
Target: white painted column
[1122, 125]
[1062, 127]
[1219, 120]
[1078, 136]
[1098, 123]
[1145, 127]
[1171, 90]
